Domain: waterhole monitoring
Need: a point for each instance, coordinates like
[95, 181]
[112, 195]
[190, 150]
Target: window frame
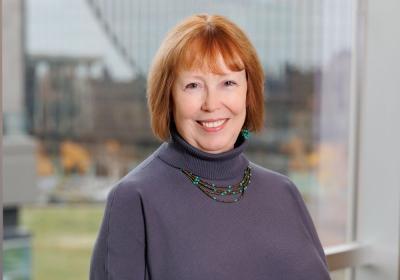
[374, 225]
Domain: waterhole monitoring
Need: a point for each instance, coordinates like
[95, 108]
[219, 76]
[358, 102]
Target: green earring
[246, 133]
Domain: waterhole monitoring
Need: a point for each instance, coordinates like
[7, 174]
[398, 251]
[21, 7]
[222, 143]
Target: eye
[192, 86]
[229, 83]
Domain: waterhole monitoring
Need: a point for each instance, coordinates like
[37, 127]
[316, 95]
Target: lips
[213, 125]
[212, 120]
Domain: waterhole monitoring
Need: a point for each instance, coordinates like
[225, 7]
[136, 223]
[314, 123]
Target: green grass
[63, 239]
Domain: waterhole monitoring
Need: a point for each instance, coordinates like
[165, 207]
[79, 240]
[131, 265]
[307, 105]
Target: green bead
[211, 189]
[246, 133]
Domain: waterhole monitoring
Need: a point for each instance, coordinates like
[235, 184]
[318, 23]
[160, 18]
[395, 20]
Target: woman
[197, 208]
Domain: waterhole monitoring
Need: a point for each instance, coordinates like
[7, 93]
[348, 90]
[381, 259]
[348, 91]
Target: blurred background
[75, 118]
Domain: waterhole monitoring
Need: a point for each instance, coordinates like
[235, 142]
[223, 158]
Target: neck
[226, 165]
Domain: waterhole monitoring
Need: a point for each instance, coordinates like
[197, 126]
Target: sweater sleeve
[307, 220]
[119, 251]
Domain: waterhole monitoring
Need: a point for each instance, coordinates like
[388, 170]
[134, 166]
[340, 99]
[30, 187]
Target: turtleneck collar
[227, 165]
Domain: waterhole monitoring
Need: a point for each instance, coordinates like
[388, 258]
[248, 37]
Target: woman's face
[210, 109]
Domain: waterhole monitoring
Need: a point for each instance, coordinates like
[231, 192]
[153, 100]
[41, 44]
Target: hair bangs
[204, 51]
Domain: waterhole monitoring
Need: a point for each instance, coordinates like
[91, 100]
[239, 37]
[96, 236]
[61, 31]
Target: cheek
[185, 107]
[238, 103]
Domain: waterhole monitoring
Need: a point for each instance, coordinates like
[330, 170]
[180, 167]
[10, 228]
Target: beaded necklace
[212, 191]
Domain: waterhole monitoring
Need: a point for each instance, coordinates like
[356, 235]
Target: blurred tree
[74, 157]
[44, 165]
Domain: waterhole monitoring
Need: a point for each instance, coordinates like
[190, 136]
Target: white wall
[378, 218]
[12, 54]
[18, 158]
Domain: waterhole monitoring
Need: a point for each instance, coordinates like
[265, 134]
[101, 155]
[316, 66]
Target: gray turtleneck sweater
[158, 225]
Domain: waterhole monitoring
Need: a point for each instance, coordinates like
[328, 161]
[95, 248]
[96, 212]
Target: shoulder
[125, 198]
[286, 190]
[139, 179]
[279, 184]
[271, 177]
[283, 185]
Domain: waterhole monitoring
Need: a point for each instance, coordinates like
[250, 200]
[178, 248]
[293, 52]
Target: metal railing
[348, 255]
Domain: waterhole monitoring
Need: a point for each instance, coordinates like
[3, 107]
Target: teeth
[213, 124]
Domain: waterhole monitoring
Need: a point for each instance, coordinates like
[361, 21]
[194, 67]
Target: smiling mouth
[213, 123]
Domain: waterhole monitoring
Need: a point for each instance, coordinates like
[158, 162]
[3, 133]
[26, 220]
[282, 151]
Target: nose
[211, 100]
